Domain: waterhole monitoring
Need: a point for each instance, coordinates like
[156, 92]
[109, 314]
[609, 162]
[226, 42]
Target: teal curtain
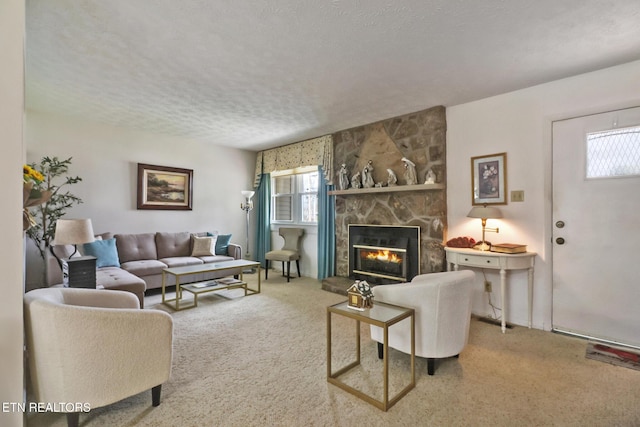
[326, 229]
[263, 226]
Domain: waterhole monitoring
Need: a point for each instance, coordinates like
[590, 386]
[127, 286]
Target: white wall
[519, 123]
[106, 159]
[12, 21]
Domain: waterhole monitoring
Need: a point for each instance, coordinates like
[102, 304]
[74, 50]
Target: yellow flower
[30, 174]
[31, 196]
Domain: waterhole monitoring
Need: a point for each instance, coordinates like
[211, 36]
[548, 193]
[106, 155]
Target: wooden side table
[382, 315]
[496, 261]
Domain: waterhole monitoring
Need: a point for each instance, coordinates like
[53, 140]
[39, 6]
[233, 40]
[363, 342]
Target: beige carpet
[261, 361]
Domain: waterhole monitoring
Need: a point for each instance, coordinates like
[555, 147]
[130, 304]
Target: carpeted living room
[470, 167]
[261, 360]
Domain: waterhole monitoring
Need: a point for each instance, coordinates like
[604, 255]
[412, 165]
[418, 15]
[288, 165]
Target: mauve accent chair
[289, 252]
[94, 347]
[442, 302]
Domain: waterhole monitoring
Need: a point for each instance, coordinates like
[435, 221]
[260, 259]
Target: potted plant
[51, 181]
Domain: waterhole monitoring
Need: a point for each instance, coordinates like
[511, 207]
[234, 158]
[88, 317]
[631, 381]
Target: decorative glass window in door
[613, 153]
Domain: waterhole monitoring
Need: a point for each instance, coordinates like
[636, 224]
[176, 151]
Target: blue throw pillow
[222, 244]
[104, 250]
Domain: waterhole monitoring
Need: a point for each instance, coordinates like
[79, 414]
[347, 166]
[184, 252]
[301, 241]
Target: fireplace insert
[383, 254]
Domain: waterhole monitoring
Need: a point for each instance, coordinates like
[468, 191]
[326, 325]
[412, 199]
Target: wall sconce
[483, 212]
[78, 272]
[247, 206]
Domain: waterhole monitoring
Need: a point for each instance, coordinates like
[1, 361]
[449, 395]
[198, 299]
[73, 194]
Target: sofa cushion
[135, 247]
[222, 244]
[104, 250]
[203, 246]
[115, 278]
[173, 244]
[181, 261]
[144, 267]
[65, 251]
[104, 236]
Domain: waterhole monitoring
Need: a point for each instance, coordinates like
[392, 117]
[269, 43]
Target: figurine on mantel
[392, 179]
[410, 171]
[367, 175]
[431, 177]
[355, 180]
[343, 180]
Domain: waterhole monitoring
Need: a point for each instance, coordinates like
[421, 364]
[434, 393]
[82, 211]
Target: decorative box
[360, 296]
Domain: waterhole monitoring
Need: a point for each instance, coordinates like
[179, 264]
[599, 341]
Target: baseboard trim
[492, 321]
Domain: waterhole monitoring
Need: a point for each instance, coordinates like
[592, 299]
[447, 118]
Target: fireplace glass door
[381, 262]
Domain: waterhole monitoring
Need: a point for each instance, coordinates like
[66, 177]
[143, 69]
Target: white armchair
[95, 347]
[442, 302]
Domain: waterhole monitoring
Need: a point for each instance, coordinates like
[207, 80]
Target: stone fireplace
[419, 137]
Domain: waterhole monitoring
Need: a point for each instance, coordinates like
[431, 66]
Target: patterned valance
[312, 152]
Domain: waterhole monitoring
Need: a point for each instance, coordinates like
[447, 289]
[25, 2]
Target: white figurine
[355, 181]
[367, 177]
[392, 179]
[410, 171]
[343, 180]
[431, 177]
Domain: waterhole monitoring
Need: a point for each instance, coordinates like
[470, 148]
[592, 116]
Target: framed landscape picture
[489, 179]
[162, 187]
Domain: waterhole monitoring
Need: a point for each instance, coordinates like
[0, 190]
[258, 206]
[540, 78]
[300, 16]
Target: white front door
[596, 226]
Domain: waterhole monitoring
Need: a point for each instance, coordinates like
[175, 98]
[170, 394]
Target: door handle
[560, 241]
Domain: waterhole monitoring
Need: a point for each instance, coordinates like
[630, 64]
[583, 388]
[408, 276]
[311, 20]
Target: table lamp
[78, 272]
[483, 212]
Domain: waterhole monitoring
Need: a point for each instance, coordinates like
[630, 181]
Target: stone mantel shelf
[392, 189]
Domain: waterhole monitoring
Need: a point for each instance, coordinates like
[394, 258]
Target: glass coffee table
[209, 285]
[382, 315]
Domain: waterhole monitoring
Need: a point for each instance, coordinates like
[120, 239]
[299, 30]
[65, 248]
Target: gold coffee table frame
[382, 315]
[186, 270]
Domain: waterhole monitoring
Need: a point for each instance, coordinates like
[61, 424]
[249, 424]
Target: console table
[495, 261]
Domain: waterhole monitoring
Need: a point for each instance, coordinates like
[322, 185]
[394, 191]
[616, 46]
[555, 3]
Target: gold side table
[382, 315]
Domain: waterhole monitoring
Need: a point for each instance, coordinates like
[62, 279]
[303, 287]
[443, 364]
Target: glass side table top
[381, 313]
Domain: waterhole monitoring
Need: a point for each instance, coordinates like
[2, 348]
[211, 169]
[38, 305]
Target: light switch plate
[517, 196]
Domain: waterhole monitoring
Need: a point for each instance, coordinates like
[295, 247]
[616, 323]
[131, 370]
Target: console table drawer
[479, 261]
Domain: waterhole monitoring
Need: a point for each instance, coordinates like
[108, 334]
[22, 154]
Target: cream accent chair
[442, 302]
[289, 252]
[96, 347]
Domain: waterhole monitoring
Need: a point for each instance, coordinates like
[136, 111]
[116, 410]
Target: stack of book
[509, 248]
[228, 281]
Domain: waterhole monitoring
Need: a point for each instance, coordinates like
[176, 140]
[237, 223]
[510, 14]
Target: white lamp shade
[73, 232]
[484, 212]
[248, 194]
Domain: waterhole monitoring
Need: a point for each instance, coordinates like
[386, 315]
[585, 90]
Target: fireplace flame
[383, 255]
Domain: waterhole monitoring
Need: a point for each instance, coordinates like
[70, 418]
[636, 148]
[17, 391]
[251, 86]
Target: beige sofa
[142, 257]
[146, 255]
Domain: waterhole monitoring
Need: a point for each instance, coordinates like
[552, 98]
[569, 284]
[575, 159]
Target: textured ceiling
[255, 74]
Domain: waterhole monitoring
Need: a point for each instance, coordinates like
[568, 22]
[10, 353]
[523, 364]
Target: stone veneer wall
[421, 138]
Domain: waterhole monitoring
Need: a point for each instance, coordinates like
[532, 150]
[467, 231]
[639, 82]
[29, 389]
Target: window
[613, 153]
[294, 198]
